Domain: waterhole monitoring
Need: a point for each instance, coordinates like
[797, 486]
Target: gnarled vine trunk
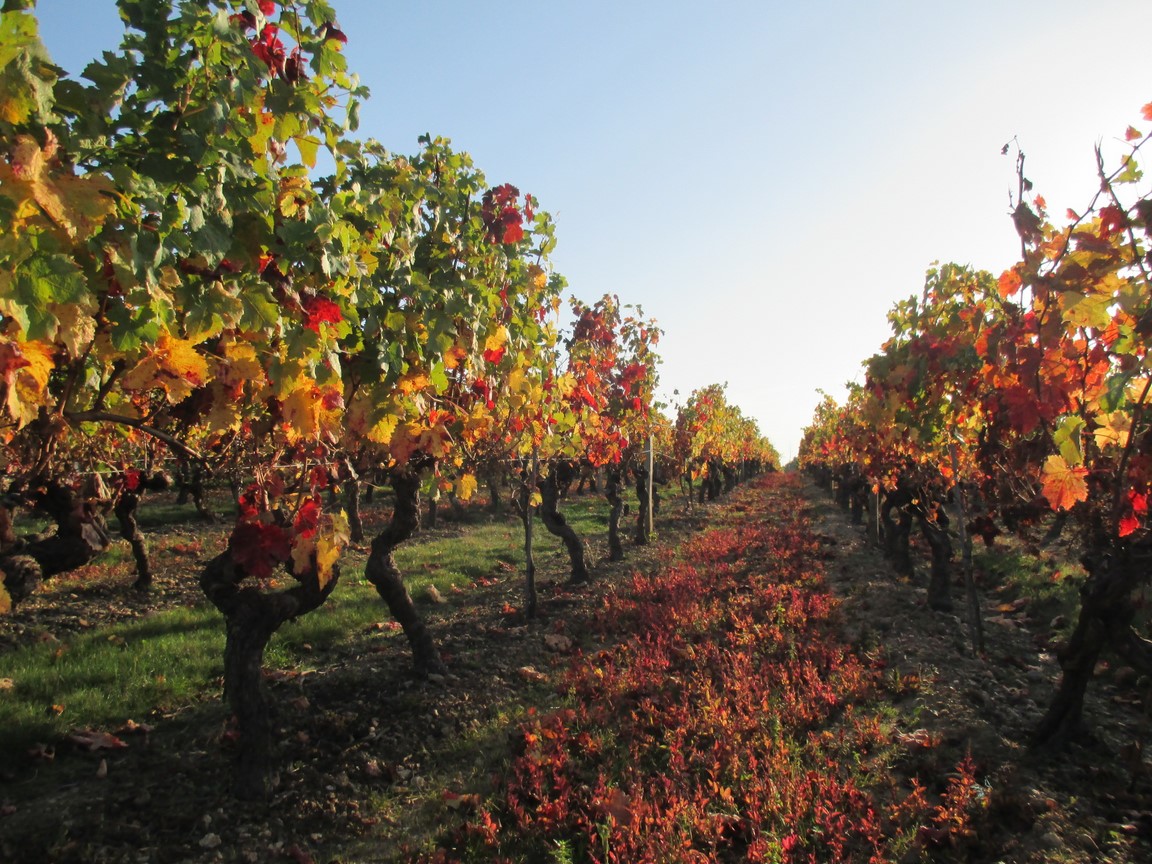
[614, 480]
[935, 531]
[79, 537]
[352, 505]
[1106, 615]
[642, 537]
[125, 507]
[897, 532]
[558, 526]
[383, 573]
[251, 618]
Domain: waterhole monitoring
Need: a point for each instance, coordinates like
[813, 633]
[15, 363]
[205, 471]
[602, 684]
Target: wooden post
[651, 461]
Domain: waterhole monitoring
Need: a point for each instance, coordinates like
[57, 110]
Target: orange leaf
[1009, 283]
[1064, 485]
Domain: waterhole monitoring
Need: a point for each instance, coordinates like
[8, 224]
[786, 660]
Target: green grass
[102, 677]
[169, 659]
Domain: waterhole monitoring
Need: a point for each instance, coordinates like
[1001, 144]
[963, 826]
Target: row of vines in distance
[1005, 397]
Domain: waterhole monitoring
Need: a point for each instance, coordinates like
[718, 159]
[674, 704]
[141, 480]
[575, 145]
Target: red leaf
[11, 359]
[270, 49]
[1113, 220]
[246, 20]
[308, 519]
[258, 548]
[330, 31]
[321, 310]
[1139, 502]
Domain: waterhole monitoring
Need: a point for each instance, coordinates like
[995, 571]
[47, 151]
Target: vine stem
[107, 417]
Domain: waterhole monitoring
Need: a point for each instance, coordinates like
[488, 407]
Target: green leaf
[439, 378]
[129, 330]
[17, 34]
[38, 283]
[261, 311]
[27, 75]
[309, 147]
[1067, 438]
[213, 237]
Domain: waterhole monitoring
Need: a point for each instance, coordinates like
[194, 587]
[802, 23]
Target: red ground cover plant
[726, 723]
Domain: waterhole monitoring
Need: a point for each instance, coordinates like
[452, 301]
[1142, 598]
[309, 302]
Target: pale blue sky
[764, 178]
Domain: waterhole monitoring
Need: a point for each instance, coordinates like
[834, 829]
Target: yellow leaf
[302, 550]
[405, 441]
[174, 365]
[465, 487]
[497, 339]
[329, 545]
[240, 364]
[298, 411]
[384, 429]
[412, 382]
[77, 326]
[1064, 486]
[41, 187]
[454, 357]
[515, 380]
[537, 276]
[1112, 430]
[5, 600]
[322, 549]
[224, 415]
[26, 368]
[565, 384]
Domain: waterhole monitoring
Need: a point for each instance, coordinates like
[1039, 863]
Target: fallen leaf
[131, 727]
[531, 673]
[92, 740]
[557, 642]
[102, 771]
[457, 802]
[618, 805]
[42, 752]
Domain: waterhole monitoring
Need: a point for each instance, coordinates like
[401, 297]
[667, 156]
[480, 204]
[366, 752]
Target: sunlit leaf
[1063, 486]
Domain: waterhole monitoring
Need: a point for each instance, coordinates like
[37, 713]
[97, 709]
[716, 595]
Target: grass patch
[168, 659]
[101, 678]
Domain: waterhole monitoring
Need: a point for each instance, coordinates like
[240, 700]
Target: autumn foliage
[721, 721]
[1023, 394]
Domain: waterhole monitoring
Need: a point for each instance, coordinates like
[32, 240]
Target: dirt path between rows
[1089, 803]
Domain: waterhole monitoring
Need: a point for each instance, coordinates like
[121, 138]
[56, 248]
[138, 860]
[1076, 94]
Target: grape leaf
[1063, 485]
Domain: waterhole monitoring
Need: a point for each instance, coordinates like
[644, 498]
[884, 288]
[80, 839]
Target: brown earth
[1091, 802]
[373, 758]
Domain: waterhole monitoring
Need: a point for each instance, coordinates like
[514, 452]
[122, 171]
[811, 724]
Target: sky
[765, 179]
